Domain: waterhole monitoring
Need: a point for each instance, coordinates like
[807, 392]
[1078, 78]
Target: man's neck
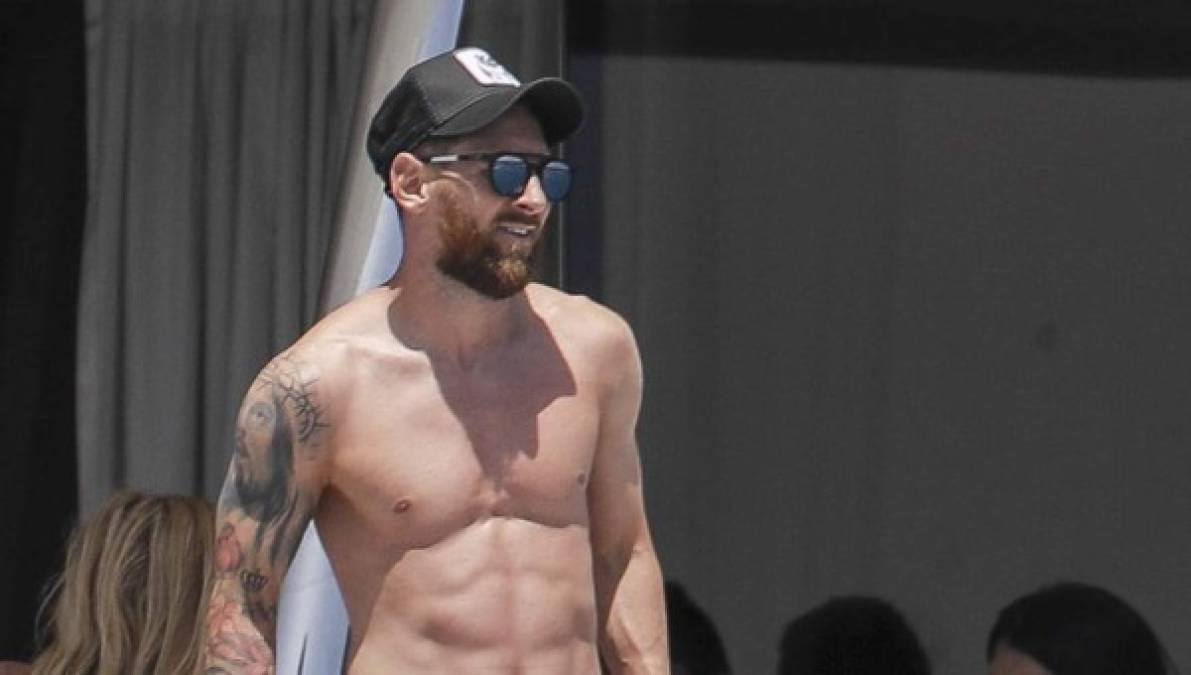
[441, 316]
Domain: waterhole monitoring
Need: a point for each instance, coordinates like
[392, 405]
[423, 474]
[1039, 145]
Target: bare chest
[420, 459]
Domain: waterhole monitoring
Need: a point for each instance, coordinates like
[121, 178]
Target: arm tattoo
[228, 554]
[253, 581]
[284, 377]
[263, 469]
[283, 415]
[230, 641]
[263, 509]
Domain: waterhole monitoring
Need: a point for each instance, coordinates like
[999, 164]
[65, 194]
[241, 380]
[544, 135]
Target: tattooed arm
[277, 473]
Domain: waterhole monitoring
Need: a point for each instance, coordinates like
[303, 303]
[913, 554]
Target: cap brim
[554, 102]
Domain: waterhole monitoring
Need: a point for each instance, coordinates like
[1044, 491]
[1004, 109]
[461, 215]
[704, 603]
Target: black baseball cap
[460, 92]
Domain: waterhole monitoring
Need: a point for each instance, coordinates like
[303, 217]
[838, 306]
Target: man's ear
[405, 182]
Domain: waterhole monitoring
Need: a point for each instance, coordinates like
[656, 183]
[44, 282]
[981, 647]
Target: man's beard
[474, 258]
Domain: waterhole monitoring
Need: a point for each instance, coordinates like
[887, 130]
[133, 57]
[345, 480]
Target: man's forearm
[236, 645]
[242, 617]
[633, 636]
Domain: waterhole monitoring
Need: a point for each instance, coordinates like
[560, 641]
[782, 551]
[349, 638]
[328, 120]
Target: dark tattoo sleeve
[266, 502]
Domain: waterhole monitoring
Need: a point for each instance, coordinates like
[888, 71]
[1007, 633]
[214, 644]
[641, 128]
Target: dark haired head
[853, 636]
[695, 646]
[1077, 629]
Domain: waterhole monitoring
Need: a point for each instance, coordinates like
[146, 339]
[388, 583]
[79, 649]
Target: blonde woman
[132, 596]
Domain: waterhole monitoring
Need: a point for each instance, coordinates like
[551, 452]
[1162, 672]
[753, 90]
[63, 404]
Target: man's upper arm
[628, 579]
[614, 496]
[277, 473]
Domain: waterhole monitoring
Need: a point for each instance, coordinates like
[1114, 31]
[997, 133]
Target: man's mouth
[516, 230]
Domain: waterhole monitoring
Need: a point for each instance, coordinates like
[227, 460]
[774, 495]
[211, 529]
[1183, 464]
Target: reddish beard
[473, 257]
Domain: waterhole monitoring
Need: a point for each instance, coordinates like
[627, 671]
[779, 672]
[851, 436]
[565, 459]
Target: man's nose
[532, 199]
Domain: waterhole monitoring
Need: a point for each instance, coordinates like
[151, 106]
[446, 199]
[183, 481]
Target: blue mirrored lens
[556, 180]
[509, 174]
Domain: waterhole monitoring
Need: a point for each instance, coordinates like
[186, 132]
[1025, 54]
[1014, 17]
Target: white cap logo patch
[485, 69]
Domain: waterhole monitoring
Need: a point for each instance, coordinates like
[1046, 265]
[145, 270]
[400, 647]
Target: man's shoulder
[345, 336]
[596, 328]
[561, 307]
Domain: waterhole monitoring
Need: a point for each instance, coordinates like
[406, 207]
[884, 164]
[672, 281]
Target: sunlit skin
[472, 468]
[1008, 661]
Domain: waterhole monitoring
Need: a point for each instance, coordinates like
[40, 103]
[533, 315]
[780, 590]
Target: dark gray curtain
[217, 133]
[906, 331]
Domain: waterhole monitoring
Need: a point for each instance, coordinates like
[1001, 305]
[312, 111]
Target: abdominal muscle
[503, 595]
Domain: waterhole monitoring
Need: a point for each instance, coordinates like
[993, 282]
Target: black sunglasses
[510, 171]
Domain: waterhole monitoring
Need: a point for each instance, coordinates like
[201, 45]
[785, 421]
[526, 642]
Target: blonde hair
[133, 593]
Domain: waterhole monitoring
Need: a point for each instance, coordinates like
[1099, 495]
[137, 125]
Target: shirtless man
[463, 439]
